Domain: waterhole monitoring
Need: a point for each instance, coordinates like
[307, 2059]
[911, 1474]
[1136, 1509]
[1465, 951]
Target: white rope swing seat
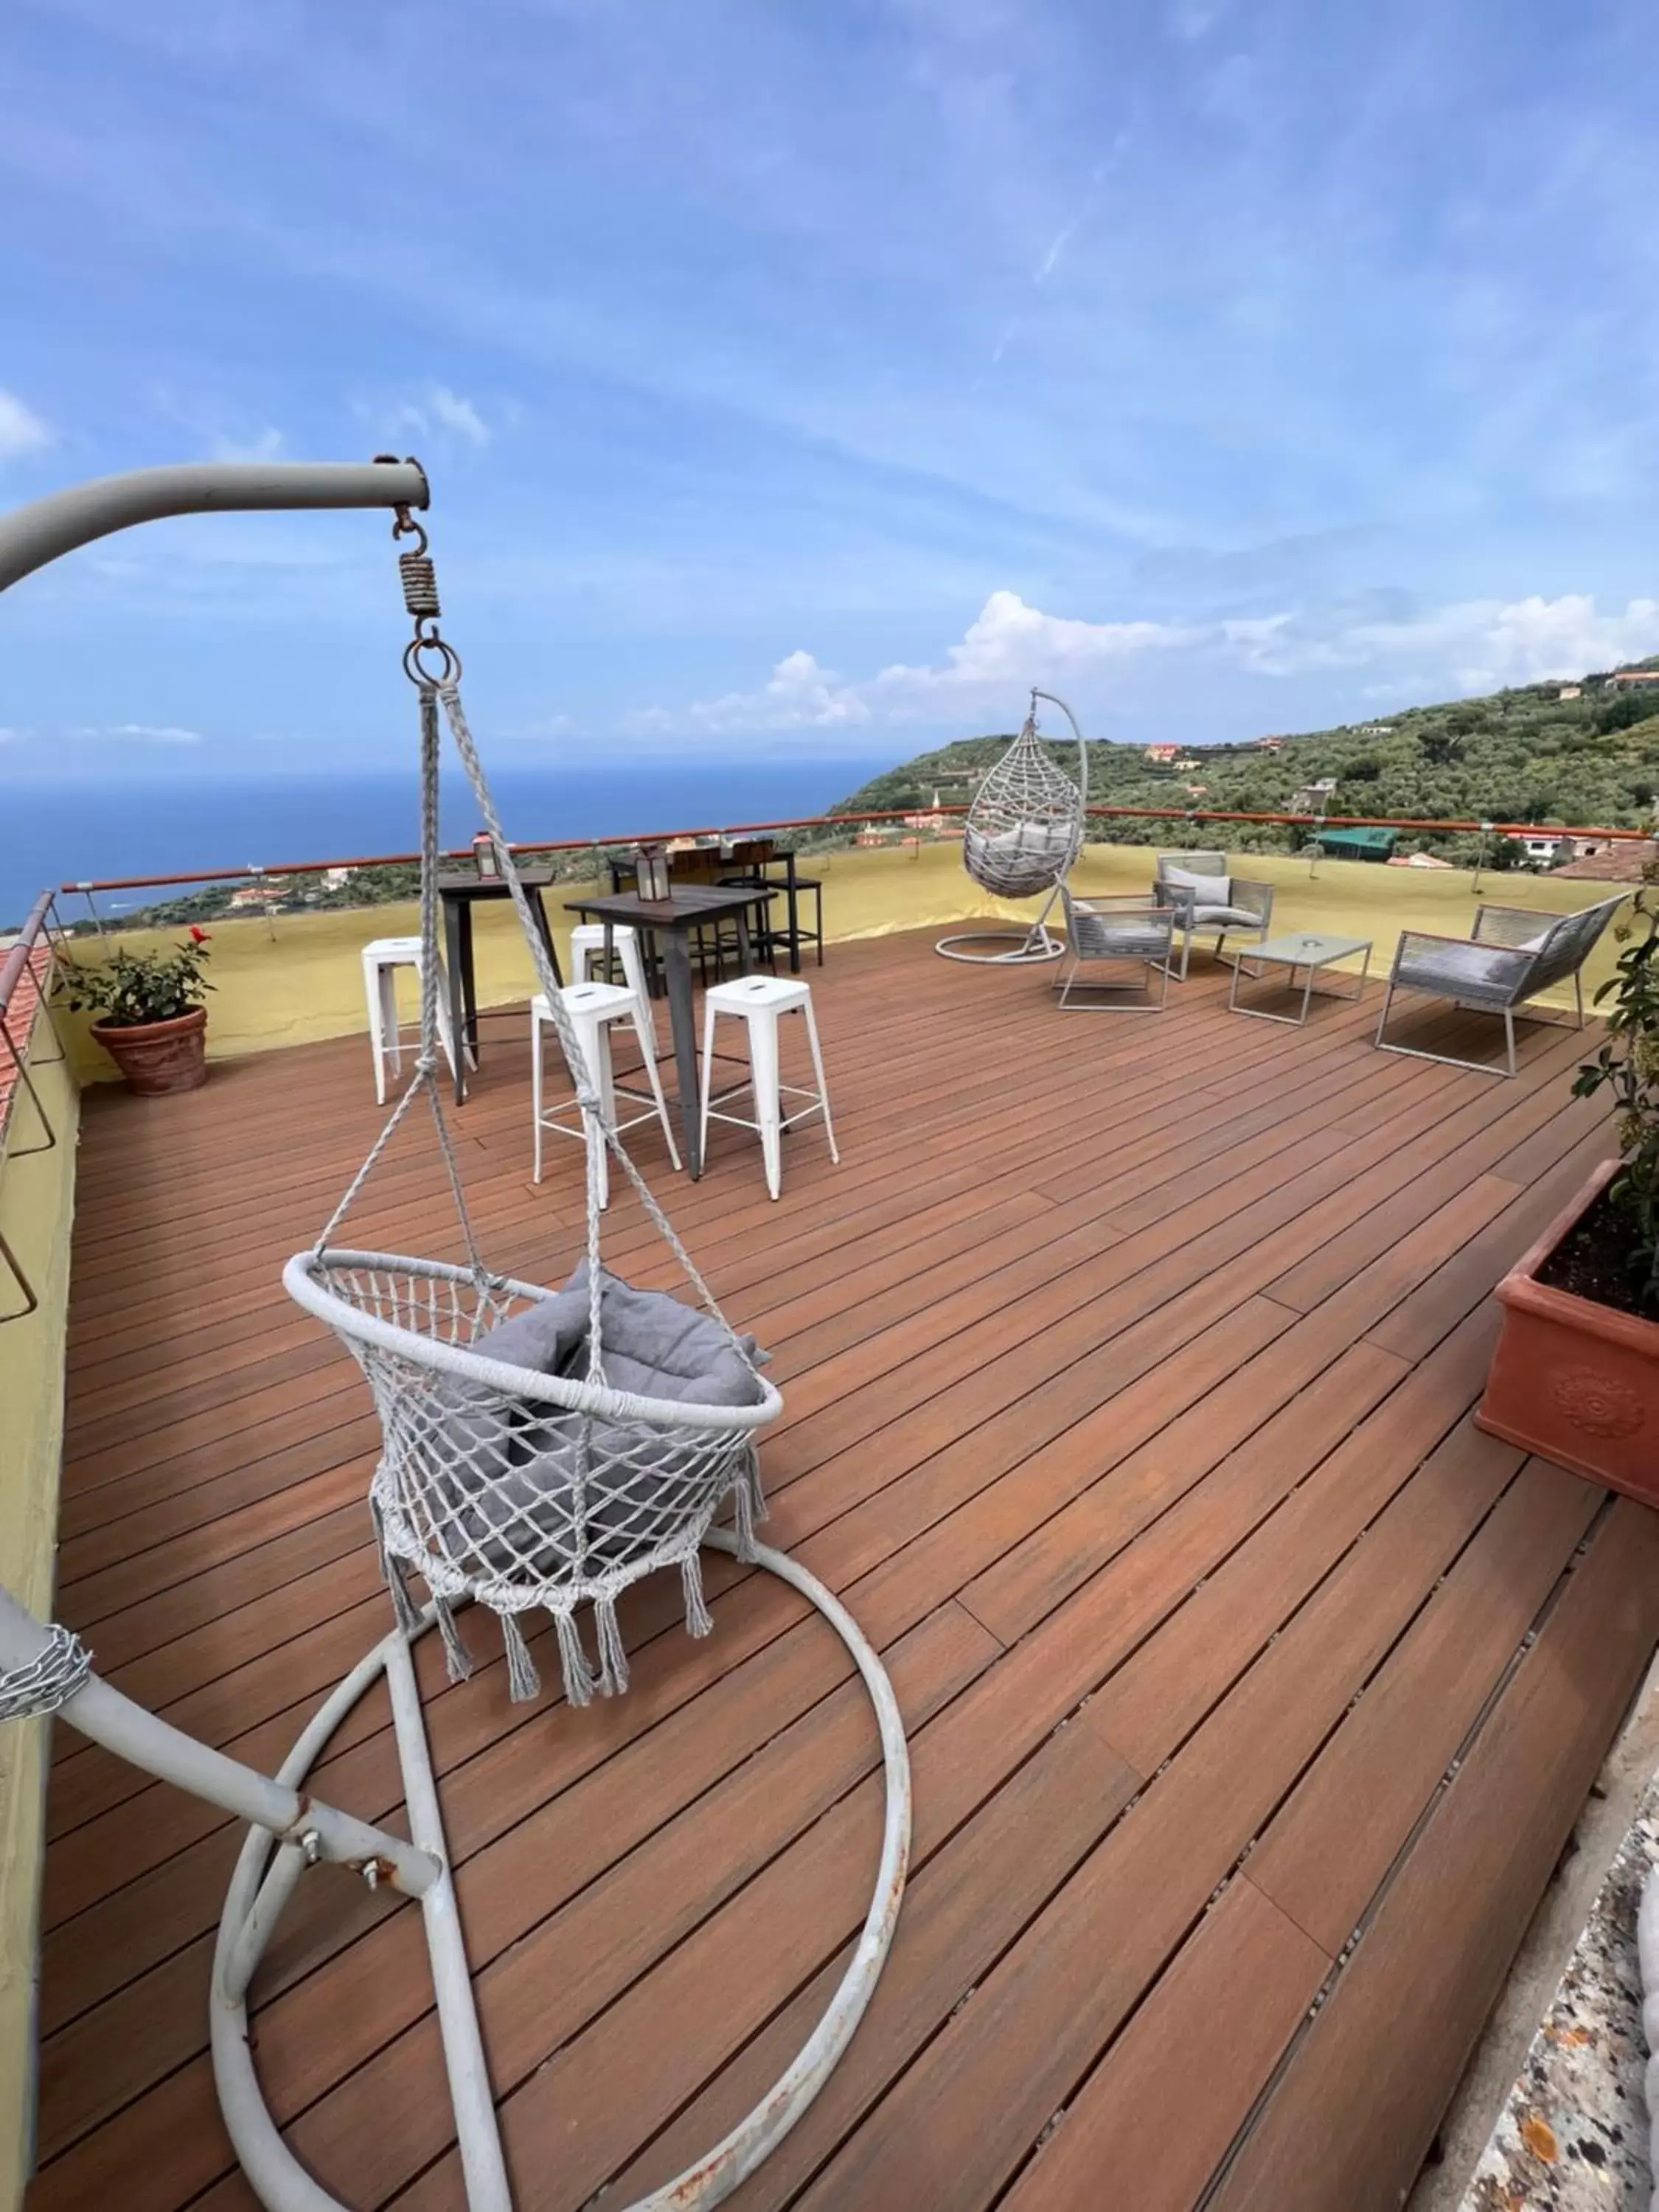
[1023, 833]
[542, 1451]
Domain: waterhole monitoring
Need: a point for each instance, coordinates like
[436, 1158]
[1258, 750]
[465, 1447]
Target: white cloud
[144, 733]
[434, 408]
[1480, 643]
[459, 415]
[1472, 645]
[1192, 20]
[22, 430]
[265, 444]
[1008, 644]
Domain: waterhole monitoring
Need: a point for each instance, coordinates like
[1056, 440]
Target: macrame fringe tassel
[749, 1506]
[391, 1574]
[523, 1682]
[578, 1684]
[403, 1605]
[613, 1660]
[457, 1657]
[698, 1620]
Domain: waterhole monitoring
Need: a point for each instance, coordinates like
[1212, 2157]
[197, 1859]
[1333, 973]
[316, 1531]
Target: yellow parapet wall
[37, 1193]
[292, 978]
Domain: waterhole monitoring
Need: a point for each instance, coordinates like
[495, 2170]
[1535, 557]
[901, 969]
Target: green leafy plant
[131, 989]
[1628, 1065]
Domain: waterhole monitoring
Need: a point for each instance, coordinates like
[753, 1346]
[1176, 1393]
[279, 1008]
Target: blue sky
[813, 378]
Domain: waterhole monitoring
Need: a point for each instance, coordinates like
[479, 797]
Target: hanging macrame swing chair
[1023, 834]
[542, 1449]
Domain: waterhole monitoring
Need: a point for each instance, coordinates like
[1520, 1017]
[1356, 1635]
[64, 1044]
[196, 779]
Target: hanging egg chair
[1023, 833]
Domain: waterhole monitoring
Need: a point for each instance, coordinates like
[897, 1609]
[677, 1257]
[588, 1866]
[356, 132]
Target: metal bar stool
[593, 1008]
[761, 1001]
[382, 957]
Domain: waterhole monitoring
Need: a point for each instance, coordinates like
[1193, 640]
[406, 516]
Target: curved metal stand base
[266, 1878]
[1026, 948]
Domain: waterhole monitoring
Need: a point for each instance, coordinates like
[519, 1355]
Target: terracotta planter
[1573, 1381]
[159, 1057]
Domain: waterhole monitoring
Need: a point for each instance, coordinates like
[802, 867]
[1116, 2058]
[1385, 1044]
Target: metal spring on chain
[420, 584]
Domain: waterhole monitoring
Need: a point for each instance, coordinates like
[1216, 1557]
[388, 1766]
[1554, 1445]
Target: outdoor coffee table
[1311, 952]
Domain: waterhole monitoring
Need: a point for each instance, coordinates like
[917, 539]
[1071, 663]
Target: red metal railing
[26, 977]
[1192, 814]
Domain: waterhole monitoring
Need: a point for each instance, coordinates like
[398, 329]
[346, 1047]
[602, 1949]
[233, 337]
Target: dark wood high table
[671, 920]
[457, 892]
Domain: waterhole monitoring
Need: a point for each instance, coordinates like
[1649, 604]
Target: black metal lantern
[651, 872]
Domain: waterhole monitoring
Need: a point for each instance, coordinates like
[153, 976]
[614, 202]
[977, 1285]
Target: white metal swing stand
[1023, 833]
[414, 1326]
[45, 1670]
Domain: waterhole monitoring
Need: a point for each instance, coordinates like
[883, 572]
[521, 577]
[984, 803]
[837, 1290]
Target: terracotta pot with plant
[1576, 1375]
[151, 1019]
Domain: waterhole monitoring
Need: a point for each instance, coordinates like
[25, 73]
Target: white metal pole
[37, 534]
[482, 2168]
[134, 1734]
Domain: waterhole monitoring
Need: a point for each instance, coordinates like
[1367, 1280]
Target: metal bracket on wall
[31, 1303]
[27, 1081]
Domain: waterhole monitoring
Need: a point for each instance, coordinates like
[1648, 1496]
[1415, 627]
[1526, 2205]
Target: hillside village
[1583, 754]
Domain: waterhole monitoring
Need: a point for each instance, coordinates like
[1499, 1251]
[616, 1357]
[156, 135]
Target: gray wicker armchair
[1511, 954]
[1100, 931]
[1238, 909]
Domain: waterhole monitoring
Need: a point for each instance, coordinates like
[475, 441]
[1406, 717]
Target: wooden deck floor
[1252, 1692]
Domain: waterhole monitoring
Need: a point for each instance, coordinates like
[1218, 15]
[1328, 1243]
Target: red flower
[197, 936]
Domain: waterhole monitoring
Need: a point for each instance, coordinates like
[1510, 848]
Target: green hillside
[1525, 755]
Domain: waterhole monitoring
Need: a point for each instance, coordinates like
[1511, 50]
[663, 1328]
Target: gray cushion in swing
[507, 1496]
[1035, 841]
[655, 1347]
[541, 1338]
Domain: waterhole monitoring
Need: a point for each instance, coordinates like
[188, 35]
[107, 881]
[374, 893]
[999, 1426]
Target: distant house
[336, 879]
[256, 896]
[1621, 861]
[1313, 797]
[1571, 691]
[1552, 849]
[1162, 756]
[1270, 745]
[1631, 679]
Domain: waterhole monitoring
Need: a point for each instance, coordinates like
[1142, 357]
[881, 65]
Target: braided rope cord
[586, 1096]
[427, 1060]
[46, 1684]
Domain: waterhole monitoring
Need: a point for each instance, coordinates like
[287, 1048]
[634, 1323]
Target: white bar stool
[592, 1009]
[762, 1001]
[587, 953]
[382, 957]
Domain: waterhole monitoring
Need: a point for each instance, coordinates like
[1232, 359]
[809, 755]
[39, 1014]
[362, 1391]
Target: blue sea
[60, 834]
